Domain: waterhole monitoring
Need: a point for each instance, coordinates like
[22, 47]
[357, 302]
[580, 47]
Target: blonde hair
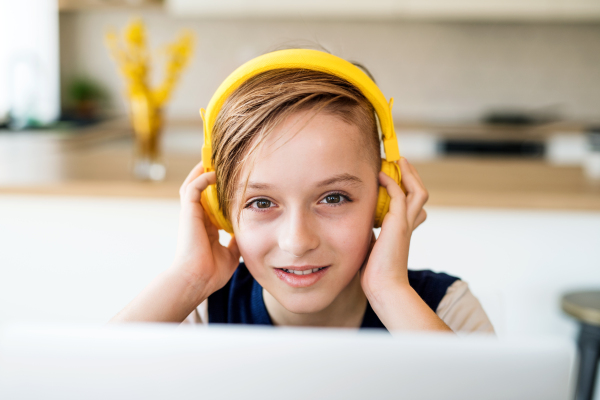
[264, 101]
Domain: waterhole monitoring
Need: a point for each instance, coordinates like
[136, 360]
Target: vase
[147, 125]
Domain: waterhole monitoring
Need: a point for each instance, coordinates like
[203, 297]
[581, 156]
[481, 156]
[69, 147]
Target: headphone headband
[302, 59]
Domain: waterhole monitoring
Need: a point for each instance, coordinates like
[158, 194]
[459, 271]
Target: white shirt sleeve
[462, 312]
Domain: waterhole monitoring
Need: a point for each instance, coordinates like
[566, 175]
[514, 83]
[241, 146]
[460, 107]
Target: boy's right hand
[199, 254]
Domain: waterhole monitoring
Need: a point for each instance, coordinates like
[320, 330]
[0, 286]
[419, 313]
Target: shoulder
[462, 311]
[452, 300]
[431, 286]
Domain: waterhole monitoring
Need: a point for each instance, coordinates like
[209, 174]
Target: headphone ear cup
[210, 204]
[392, 170]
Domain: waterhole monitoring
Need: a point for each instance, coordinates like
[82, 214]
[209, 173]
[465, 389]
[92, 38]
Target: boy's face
[310, 203]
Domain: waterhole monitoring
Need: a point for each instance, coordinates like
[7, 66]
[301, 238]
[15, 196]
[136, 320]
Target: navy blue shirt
[240, 301]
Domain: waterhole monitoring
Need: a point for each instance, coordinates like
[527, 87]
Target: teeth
[305, 272]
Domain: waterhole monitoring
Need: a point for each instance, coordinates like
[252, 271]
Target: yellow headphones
[302, 59]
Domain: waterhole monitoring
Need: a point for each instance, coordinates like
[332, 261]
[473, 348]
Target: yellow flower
[135, 33]
[133, 60]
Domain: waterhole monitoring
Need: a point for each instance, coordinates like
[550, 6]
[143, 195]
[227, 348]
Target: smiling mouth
[301, 276]
[304, 272]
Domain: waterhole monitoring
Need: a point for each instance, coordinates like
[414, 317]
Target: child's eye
[259, 204]
[263, 203]
[335, 199]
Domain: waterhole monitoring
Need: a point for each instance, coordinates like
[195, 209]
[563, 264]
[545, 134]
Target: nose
[297, 236]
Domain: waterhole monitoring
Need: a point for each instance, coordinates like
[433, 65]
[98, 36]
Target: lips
[302, 272]
[303, 276]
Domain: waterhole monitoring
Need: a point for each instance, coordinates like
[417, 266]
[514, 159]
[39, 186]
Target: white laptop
[154, 361]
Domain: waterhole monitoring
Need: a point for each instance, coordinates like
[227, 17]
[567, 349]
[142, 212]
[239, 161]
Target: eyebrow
[341, 178]
[344, 178]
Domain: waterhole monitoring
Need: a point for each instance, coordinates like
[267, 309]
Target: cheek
[254, 244]
[351, 237]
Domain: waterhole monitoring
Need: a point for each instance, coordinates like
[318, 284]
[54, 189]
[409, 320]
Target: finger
[409, 176]
[211, 230]
[412, 168]
[415, 173]
[426, 192]
[194, 173]
[194, 189]
[418, 178]
[416, 194]
[397, 197]
[420, 218]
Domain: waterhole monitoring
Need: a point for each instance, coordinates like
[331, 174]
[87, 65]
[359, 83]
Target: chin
[306, 303]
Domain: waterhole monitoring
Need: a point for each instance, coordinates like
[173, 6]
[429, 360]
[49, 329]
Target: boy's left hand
[387, 264]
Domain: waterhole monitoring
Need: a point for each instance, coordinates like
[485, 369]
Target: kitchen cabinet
[338, 9]
[573, 10]
[99, 5]
[499, 10]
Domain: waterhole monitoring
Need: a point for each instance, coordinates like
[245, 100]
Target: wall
[434, 70]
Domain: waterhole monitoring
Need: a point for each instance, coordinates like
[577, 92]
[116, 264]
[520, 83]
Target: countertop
[100, 165]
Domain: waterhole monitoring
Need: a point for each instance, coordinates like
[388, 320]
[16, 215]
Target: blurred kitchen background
[497, 103]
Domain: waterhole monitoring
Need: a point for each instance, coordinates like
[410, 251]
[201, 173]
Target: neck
[346, 311]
